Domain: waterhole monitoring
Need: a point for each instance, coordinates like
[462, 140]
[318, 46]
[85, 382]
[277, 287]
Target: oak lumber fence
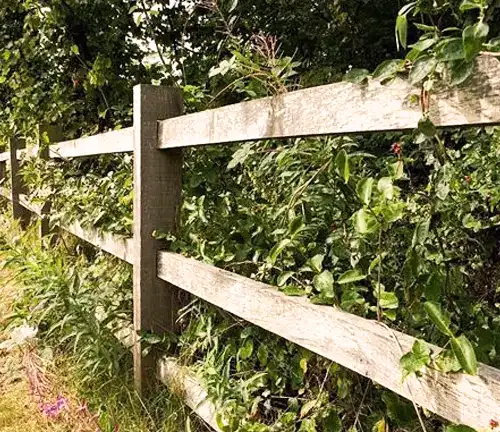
[157, 137]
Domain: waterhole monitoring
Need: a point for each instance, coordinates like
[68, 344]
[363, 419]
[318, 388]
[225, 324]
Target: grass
[109, 406]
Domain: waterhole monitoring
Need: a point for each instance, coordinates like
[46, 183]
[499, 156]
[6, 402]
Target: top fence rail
[339, 108]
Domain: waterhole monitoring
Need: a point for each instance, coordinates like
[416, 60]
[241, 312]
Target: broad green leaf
[388, 69]
[426, 28]
[451, 49]
[473, 37]
[365, 222]
[423, 44]
[461, 71]
[434, 285]
[459, 428]
[316, 262]
[426, 126]
[401, 30]
[386, 188]
[294, 291]
[441, 320]
[246, 349]
[387, 300]
[356, 76]
[415, 360]
[324, 283]
[364, 189]
[470, 4]
[351, 276]
[307, 407]
[277, 249]
[447, 362]
[420, 233]
[393, 212]
[283, 278]
[463, 350]
[399, 410]
[396, 169]
[342, 165]
[296, 225]
[263, 354]
[422, 68]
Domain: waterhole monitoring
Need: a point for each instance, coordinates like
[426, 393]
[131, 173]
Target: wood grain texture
[118, 141]
[17, 187]
[340, 108]
[364, 346]
[157, 201]
[189, 389]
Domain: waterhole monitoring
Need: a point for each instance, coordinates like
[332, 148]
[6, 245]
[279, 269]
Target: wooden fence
[157, 137]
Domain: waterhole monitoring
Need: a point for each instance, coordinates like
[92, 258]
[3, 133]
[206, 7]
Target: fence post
[17, 186]
[53, 134]
[157, 200]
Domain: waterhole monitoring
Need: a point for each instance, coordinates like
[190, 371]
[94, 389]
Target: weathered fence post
[157, 199]
[18, 188]
[53, 134]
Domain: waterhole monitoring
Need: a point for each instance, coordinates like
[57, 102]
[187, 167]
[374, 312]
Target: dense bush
[397, 227]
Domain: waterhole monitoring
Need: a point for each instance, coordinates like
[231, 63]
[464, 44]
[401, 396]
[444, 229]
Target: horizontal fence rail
[340, 108]
[118, 141]
[367, 347]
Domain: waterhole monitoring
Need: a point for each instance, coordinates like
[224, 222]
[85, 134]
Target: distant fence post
[53, 134]
[157, 200]
[18, 188]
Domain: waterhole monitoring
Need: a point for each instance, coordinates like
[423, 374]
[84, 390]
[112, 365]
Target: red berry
[468, 178]
[493, 424]
[396, 148]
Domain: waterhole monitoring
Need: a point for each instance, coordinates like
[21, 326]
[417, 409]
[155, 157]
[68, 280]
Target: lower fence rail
[365, 346]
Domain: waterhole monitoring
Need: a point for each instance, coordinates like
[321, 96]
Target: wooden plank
[364, 346]
[4, 157]
[17, 186]
[189, 389]
[157, 201]
[340, 108]
[118, 141]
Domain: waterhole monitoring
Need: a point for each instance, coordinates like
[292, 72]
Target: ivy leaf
[473, 37]
[423, 67]
[342, 164]
[415, 360]
[324, 283]
[364, 189]
[295, 225]
[463, 350]
[357, 76]
[423, 44]
[401, 31]
[441, 320]
[351, 276]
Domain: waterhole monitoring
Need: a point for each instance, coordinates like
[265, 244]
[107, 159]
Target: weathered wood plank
[4, 157]
[118, 141]
[364, 346]
[189, 389]
[157, 201]
[17, 186]
[340, 108]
